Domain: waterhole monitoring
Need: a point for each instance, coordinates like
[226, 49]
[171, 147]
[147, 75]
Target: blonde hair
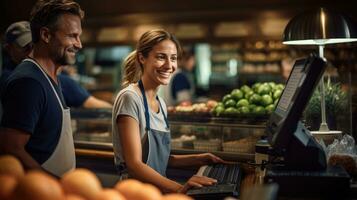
[133, 69]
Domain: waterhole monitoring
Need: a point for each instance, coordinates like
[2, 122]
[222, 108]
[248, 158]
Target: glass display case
[227, 137]
[92, 128]
[233, 138]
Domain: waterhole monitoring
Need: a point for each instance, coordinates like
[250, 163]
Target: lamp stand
[323, 125]
[324, 132]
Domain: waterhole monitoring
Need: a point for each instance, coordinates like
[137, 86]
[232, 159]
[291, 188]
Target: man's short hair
[19, 33]
[45, 13]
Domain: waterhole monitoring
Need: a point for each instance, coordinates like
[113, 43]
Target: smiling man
[36, 123]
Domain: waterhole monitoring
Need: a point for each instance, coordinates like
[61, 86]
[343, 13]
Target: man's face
[65, 42]
[17, 53]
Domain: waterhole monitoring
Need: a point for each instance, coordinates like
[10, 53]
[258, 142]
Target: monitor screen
[286, 99]
[300, 85]
[289, 137]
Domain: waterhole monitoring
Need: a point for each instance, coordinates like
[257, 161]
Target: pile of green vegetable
[258, 100]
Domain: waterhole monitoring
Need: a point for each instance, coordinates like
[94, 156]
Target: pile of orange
[79, 184]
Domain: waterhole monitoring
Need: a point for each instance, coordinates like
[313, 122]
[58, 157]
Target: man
[181, 87]
[77, 96]
[36, 123]
[17, 47]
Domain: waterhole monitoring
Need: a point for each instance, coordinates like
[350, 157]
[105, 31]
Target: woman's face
[160, 63]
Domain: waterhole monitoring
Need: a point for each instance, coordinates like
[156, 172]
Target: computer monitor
[286, 134]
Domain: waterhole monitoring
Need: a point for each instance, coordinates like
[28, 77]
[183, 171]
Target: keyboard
[228, 182]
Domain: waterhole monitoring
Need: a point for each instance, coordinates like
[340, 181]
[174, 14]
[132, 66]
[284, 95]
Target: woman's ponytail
[132, 69]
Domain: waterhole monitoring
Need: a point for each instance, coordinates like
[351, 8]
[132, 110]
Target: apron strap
[162, 110]
[49, 81]
[147, 115]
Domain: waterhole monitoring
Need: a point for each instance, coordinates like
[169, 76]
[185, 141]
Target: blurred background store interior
[235, 42]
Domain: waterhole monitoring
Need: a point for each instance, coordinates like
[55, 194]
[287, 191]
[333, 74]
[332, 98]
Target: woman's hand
[209, 158]
[197, 181]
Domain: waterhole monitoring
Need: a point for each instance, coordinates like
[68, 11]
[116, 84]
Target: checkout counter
[94, 149]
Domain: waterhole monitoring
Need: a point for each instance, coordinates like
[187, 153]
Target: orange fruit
[176, 197]
[135, 190]
[148, 192]
[129, 188]
[109, 194]
[81, 182]
[37, 185]
[11, 165]
[73, 197]
[7, 186]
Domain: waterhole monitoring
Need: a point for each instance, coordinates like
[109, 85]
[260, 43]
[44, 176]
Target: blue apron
[156, 144]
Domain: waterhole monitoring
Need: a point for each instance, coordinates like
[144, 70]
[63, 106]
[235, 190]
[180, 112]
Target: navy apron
[156, 144]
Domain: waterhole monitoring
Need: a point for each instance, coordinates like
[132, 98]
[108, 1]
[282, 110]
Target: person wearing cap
[17, 47]
[36, 122]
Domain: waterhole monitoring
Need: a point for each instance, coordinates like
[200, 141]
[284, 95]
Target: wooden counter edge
[95, 153]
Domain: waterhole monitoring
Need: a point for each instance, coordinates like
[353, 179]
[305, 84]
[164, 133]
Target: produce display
[244, 145]
[184, 141]
[258, 100]
[79, 184]
[187, 107]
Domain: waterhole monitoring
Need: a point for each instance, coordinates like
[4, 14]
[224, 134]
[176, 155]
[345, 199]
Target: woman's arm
[194, 160]
[132, 153]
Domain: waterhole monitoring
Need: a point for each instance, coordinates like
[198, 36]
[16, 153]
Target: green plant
[336, 104]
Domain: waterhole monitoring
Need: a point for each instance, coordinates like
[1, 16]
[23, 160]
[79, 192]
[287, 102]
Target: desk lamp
[320, 27]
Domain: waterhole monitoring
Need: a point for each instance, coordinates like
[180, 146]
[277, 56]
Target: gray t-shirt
[129, 102]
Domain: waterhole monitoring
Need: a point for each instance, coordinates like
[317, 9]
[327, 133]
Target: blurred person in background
[181, 88]
[141, 133]
[76, 96]
[36, 122]
[18, 46]
[286, 67]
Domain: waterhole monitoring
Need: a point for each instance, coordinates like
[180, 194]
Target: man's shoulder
[26, 70]
[180, 76]
[24, 77]
[68, 83]
[65, 79]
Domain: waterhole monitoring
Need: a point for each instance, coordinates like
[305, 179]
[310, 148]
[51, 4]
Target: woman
[141, 134]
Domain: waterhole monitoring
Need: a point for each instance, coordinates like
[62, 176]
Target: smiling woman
[133, 64]
[141, 134]
[161, 62]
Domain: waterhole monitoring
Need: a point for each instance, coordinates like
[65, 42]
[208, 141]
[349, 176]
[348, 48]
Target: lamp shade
[320, 27]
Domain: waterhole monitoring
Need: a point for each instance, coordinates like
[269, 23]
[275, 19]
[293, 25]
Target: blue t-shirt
[30, 104]
[73, 93]
[7, 67]
[180, 82]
